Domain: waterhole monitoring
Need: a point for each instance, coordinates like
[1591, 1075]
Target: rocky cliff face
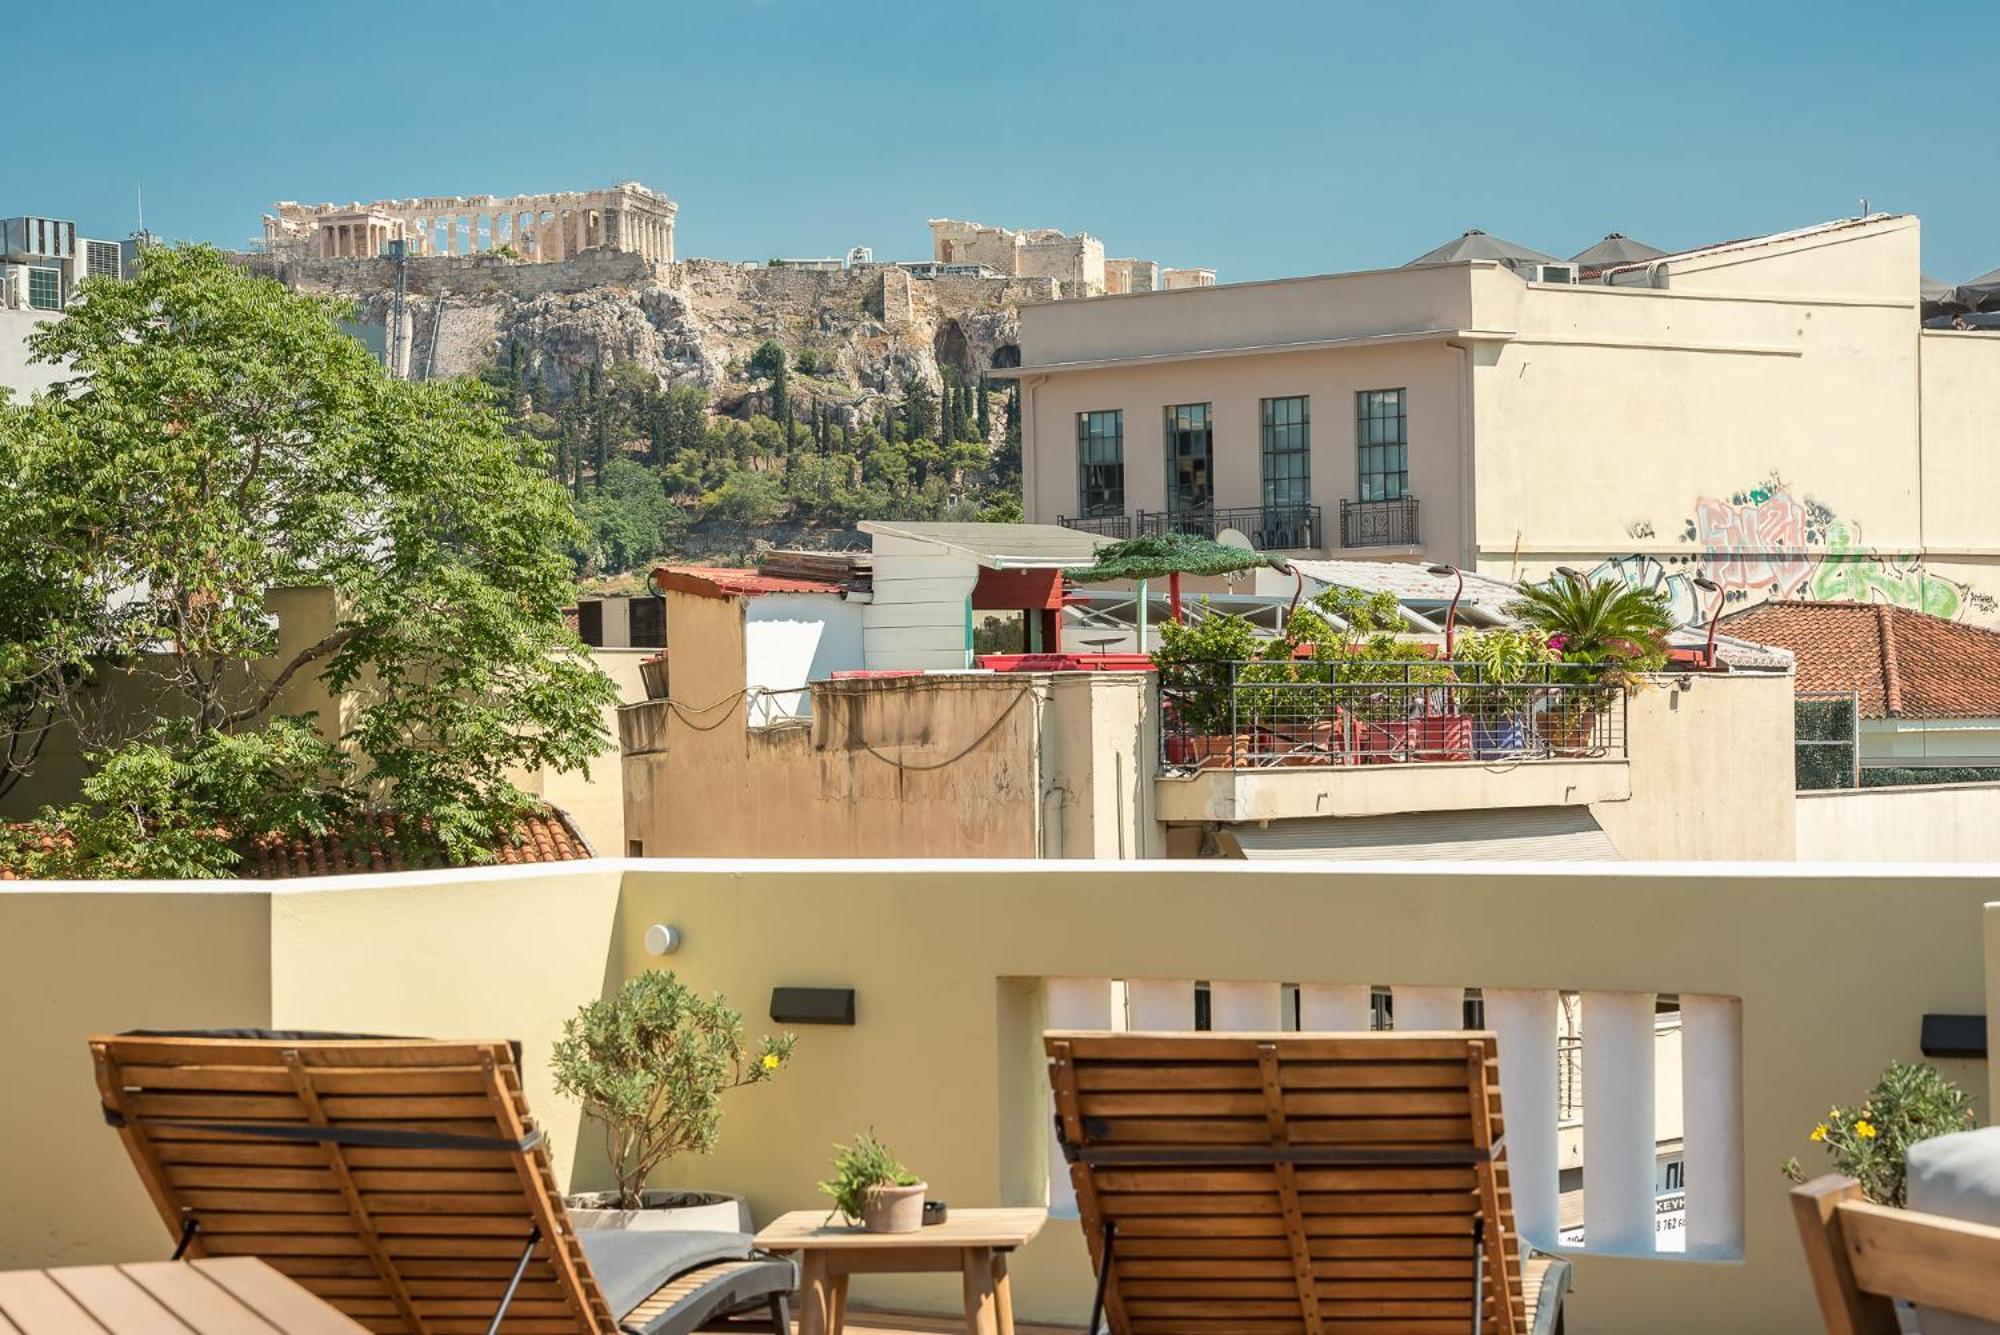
[694, 322]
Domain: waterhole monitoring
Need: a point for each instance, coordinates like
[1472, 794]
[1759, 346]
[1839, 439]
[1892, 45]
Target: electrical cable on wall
[687, 713]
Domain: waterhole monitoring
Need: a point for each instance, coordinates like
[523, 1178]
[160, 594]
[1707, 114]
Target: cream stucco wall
[84, 960]
[945, 959]
[1711, 770]
[1942, 823]
[594, 797]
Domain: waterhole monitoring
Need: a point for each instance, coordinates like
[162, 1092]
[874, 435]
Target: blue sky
[1260, 139]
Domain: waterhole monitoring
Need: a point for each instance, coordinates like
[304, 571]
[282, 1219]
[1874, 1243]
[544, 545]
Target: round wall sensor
[662, 939]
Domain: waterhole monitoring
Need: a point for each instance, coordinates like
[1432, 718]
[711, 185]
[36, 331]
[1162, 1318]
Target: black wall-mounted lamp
[812, 1005]
[1954, 1036]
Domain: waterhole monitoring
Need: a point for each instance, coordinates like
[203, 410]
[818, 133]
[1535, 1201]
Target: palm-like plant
[1601, 623]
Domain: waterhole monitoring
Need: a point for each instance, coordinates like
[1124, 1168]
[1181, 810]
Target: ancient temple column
[582, 229]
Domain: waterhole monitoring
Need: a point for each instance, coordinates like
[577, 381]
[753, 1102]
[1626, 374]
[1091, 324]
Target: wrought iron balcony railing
[1105, 526]
[1270, 528]
[1379, 523]
[1306, 713]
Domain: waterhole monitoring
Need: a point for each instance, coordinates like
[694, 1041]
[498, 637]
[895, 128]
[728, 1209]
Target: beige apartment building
[1767, 412]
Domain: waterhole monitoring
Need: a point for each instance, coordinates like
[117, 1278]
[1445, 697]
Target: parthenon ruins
[627, 217]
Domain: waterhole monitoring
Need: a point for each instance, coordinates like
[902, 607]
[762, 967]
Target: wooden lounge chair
[1863, 1256]
[1296, 1184]
[403, 1182]
[227, 1296]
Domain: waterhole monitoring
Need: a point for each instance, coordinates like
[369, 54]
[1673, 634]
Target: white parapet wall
[1957, 822]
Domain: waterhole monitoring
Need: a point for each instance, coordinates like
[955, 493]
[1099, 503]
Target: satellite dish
[1235, 537]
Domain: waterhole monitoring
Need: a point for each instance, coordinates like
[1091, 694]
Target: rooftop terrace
[1787, 990]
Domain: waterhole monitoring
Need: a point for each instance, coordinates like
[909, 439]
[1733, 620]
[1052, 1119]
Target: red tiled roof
[1902, 664]
[373, 845]
[728, 582]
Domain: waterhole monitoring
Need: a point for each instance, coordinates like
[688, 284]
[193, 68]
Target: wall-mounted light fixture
[662, 939]
[1953, 1036]
[812, 1005]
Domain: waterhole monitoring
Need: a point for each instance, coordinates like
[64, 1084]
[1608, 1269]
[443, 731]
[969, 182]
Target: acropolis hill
[580, 279]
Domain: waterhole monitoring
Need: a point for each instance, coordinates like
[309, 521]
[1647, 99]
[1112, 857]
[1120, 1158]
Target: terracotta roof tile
[727, 582]
[374, 845]
[1902, 664]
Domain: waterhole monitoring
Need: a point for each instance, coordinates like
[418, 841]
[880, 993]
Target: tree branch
[310, 654]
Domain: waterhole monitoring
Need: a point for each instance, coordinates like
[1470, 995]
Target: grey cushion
[1957, 1176]
[631, 1263]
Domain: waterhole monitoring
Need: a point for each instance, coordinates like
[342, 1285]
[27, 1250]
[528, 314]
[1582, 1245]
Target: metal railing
[1105, 526]
[1270, 528]
[1285, 715]
[1379, 523]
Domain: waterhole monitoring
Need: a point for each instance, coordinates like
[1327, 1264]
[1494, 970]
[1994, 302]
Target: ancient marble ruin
[1076, 261]
[542, 228]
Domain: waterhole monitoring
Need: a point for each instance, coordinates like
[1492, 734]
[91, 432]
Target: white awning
[1516, 834]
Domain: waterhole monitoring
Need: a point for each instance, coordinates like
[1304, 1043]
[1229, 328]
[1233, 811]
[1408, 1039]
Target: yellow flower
[1865, 1129]
[1818, 1133]
[771, 1061]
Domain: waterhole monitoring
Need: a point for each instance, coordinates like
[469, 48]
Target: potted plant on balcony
[1384, 698]
[872, 1189]
[1609, 635]
[1508, 668]
[650, 1066]
[1197, 662]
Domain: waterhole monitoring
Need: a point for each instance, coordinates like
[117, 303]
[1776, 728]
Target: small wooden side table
[975, 1243]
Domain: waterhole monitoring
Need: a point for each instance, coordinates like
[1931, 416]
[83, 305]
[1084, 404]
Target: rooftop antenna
[1864, 206]
[141, 188]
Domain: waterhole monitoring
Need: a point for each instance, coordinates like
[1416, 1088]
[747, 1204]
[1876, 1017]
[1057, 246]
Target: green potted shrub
[650, 1066]
[1608, 633]
[1870, 1141]
[871, 1188]
[1196, 662]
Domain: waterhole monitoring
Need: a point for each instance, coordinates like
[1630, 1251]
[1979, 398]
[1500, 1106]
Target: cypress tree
[985, 418]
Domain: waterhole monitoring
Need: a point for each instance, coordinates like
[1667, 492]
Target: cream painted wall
[87, 960]
[479, 953]
[1942, 823]
[594, 796]
[1961, 418]
[1711, 770]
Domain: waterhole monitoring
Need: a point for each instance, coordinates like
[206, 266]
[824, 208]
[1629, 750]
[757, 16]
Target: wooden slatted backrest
[1291, 1184]
[1862, 1256]
[406, 1240]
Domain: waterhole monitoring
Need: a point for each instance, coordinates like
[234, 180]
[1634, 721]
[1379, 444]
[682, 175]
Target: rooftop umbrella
[1981, 293]
[1615, 249]
[1170, 554]
[1477, 245]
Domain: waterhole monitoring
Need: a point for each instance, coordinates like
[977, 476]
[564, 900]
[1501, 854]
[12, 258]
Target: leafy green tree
[767, 360]
[627, 520]
[807, 361]
[220, 439]
[747, 498]
[921, 406]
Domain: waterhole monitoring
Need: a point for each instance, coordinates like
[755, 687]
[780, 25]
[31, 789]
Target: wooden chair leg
[781, 1314]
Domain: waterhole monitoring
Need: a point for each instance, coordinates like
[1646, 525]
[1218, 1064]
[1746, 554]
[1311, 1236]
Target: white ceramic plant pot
[893, 1209]
[678, 1211]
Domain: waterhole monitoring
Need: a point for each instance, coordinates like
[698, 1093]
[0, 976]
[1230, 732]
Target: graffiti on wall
[1771, 542]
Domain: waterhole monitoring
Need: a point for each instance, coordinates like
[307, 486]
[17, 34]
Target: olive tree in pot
[650, 1066]
[872, 1189]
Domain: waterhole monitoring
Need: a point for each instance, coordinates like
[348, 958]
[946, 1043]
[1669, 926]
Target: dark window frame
[1184, 425]
[1285, 446]
[1100, 463]
[1381, 444]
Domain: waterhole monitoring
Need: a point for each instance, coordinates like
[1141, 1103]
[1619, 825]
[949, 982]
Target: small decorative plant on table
[1871, 1141]
[650, 1066]
[872, 1189]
